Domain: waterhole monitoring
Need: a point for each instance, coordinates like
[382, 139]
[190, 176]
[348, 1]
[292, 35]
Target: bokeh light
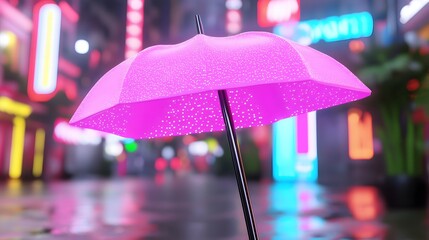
[5, 39]
[81, 46]
[130, 146]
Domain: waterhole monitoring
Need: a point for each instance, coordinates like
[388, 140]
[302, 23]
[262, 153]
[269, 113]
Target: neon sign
[295, 148]
[21, 111]
[42, 80]
[12, 107]
[361, 143]
[336, 28]
[271, 13]
[134, 35]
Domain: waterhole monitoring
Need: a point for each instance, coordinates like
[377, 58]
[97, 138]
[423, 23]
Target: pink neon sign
[134, 29]
[302, 136]
[273, 12]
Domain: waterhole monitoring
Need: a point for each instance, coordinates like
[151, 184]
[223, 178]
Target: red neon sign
[273, 12]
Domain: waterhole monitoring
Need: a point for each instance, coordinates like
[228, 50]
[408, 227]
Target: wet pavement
[197, 207]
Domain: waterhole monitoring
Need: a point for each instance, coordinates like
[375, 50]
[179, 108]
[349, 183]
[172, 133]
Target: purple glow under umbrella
[250, 79]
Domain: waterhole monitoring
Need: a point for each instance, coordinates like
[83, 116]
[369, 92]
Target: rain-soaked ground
[197, 207]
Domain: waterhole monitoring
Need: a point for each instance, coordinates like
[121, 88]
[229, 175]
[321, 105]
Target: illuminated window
[361, 144]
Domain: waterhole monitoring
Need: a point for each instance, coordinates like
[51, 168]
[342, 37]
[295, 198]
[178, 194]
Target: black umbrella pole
[240, 175]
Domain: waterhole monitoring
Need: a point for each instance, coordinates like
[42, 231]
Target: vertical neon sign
[284, 150]
[21, 111]
[295, 148]
[42, 81]
[134, 35]
[361, 143]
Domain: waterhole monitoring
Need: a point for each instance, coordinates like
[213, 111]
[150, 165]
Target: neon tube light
[306, 164]
[335, 28]
[17, 149]
[44, 51]
[312, 136]
[295, 148]
[361, 143]
[9, 106]
[39, 149]
[21, 111]
[284, 145]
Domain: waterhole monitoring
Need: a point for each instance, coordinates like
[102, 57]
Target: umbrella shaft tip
[199, 24]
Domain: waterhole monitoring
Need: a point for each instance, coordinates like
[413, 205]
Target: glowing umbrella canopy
[257, 77]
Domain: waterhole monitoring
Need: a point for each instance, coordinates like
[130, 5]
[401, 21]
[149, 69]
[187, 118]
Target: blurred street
[196, 207]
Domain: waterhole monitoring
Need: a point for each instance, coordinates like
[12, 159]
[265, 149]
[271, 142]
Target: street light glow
[5, 39]
[81, 46]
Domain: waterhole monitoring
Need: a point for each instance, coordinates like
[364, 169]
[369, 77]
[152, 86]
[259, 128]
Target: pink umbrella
[257, 77]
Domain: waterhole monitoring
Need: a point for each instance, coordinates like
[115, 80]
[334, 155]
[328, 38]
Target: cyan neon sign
[295, 148]
[350, 26]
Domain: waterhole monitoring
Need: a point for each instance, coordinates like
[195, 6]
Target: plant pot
[404, 192]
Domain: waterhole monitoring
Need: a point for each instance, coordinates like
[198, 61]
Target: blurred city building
[43, 75]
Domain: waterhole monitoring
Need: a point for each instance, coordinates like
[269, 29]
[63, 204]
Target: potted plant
[398, 77]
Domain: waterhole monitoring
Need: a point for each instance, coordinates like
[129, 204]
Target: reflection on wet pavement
[196, 207]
